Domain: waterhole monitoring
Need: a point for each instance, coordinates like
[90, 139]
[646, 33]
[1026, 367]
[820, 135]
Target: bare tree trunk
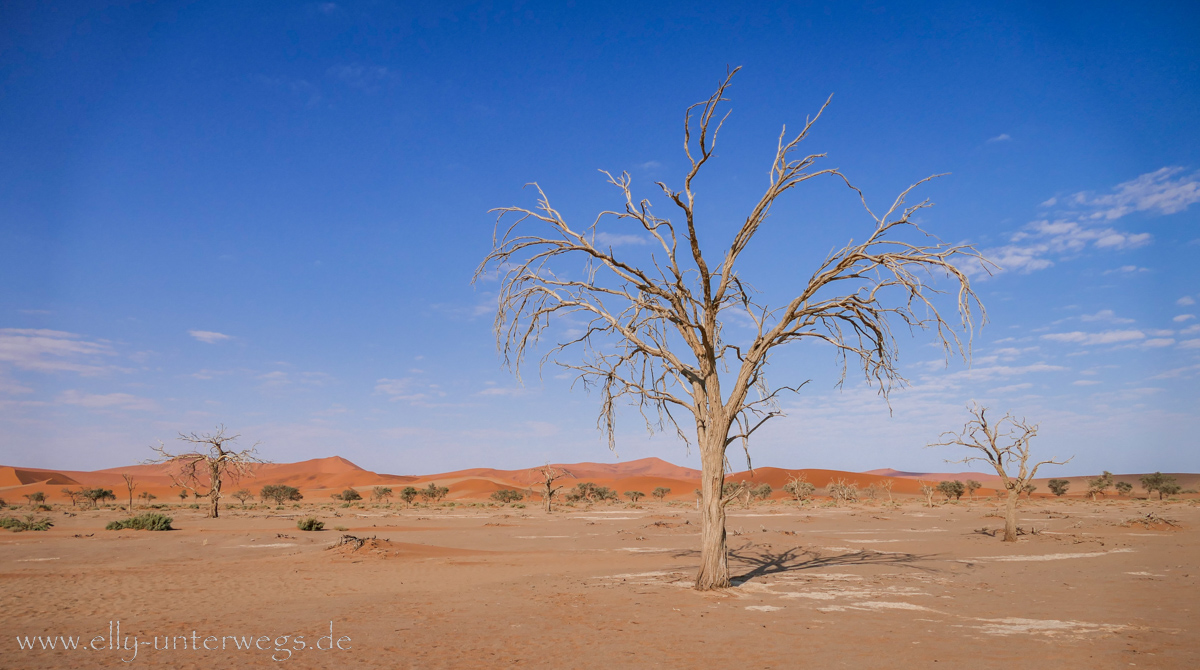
[546, 496]
[1010, 516]
[714, 564]
[214, 491]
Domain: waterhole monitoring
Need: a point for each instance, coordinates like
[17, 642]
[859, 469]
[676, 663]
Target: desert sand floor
[606, 587]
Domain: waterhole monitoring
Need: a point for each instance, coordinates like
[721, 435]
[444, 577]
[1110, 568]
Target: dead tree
[886, 485]
[927, 491]
[546, 476]
[1005, 446]
[211, 461]
[131, 485]
[653, 332]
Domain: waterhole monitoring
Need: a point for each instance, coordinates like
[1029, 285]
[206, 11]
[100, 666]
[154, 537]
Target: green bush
[310, 523]
[507, 496]
[148, 521]
[28, 523]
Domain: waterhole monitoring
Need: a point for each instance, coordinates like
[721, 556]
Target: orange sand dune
[318, 478]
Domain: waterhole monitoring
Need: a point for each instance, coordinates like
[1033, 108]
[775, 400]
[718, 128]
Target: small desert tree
[348, 496]
[507, 496]
[972, 487]
[243, 495]
[1059, 487]
[634, 496]
[408, 494]
[951, 489]
[842, 492]
[655, 332]
[211, 461]
[147, 497]
[280, 493]
[183, 494]
[886, 485]
[660, 493]
[1028, 490]
[1100, 484]
[36, 499]
[130, 485]
[1124, 488]
[1164, 484]
[544, 486]
[381, 493]
[1005, 446]
[927, 491]
[434, 493]
[97, 495]
[799, 488]
[75, 495]
[763, 491]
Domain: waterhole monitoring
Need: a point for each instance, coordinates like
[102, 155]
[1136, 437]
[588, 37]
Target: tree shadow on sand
[765, 561]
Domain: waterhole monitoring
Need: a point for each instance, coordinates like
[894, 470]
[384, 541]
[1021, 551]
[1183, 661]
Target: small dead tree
[654, 332]
[927, 491]
[799, 487]
[131, 485]
[886, 486]
[211, 461]
[1005, 446]
[972, 487]
[544, 485]
[842, 492]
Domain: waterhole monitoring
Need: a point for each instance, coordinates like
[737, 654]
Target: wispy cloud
[1104, 315]
[1079, 223]
[1159, 191]
[649, 165]
[1185, 300]
[1106, 337]
[1002, 137]
[209, 336]
[1033, 247]
[1126, 270]
[106, 401]
[53, 351]
[1183, 317]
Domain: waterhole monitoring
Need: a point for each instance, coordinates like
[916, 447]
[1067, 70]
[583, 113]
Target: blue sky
[267, 215]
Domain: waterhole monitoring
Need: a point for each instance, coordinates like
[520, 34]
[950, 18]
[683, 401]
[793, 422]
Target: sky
[267, 216]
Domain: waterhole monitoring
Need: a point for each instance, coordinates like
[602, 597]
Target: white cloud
[1033, 245]
[1183, 317]
[1106, 337]
[1002, 137]
[1159, 342]
[1085, 382]
[1012, 388]
[1153, 191]
[1194, 328]
[1190, 344]
[52, 351]
[1185, 300]
[409, 389]
[106, 401]
[209, 336]
[495, 390]
[610, 240]
[1104, 315]
[1126, 269]
[650, 165]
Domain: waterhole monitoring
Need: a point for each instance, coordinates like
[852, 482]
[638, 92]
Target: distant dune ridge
[318, 478]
